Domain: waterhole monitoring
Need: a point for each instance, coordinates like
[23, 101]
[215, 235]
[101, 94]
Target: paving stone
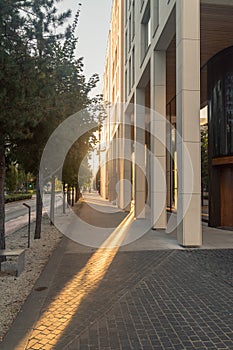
[183, 304]
[144, 300]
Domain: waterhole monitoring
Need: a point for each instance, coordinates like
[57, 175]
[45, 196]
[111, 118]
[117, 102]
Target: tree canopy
[41, 83]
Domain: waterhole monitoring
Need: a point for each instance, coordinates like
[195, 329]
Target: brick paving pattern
[138, 300]
[184, 303]
[88, 294]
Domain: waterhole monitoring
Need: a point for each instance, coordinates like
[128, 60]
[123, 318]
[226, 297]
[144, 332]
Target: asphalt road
[17, 214]
[16, 209]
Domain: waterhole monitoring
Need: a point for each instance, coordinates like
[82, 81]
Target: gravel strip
[14, 290]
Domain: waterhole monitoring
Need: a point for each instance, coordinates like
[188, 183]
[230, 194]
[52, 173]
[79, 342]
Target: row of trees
[41, 84]
[17, 181]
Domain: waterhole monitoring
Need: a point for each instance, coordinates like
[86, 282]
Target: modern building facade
[177, 60]
[113, 91]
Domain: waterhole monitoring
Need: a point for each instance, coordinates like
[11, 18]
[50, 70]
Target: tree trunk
[72, 196]
[68, 195]
[64, 198]
[77, 193]
[39, 207]
[2, 200]
[52, 201]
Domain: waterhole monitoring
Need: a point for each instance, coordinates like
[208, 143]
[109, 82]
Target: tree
[73, 164]
[18, 89]
[68, 93]
[12, 178]
[26, 44]
[75, 168]
[85, 173]
[41, 84]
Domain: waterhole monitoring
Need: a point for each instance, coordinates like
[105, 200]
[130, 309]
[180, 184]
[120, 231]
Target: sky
[93, 28]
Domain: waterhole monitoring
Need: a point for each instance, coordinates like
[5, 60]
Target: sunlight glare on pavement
[49, 329]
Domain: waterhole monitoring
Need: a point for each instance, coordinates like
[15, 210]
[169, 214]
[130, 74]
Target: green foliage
[17, 87]
[74, 159]
[67, 93]
[17, 180]
[17, 197]
[41, 84]
[12, 178]
[85, 174]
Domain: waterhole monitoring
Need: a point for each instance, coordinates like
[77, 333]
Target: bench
[16, 253]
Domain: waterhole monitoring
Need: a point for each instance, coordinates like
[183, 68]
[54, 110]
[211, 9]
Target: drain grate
[40, 289]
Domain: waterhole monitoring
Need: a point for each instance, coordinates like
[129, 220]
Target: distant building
[175, 58]
[113, 93]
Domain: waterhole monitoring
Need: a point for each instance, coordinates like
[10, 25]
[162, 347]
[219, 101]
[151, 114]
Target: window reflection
[220, 81]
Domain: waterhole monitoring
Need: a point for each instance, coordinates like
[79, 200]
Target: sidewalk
[150, 294]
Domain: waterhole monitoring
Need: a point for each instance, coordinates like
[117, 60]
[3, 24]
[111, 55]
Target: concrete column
[188, 122]
[103, 165]
[103, 180]
[112, 172]
[121, 166]
[158, 140]
[119, 161]
[139, 154]
[106, 178]
[110, 194]
[125, 184]
[168, 162]
[116, 166]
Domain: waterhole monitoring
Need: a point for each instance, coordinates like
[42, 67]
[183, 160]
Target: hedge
[17, 197]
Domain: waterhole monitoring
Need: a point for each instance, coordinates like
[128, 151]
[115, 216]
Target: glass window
[130, 32]
[229, 111]
[142, 3]
[146, 30]
[133, 20]
[130, 73]
[126, 11]
[222, 116]
[133, 66]
[218, 120]
[155, 16]
[126, 85]
[126, 44]
[220, 86]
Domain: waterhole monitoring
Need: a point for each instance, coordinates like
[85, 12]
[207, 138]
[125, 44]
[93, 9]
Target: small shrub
[17, 197]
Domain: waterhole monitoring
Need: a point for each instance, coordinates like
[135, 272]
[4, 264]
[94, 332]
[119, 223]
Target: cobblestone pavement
[87, 295]
[185, 302]
[138, 300]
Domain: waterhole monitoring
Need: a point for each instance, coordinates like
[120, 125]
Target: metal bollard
[29, 221]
